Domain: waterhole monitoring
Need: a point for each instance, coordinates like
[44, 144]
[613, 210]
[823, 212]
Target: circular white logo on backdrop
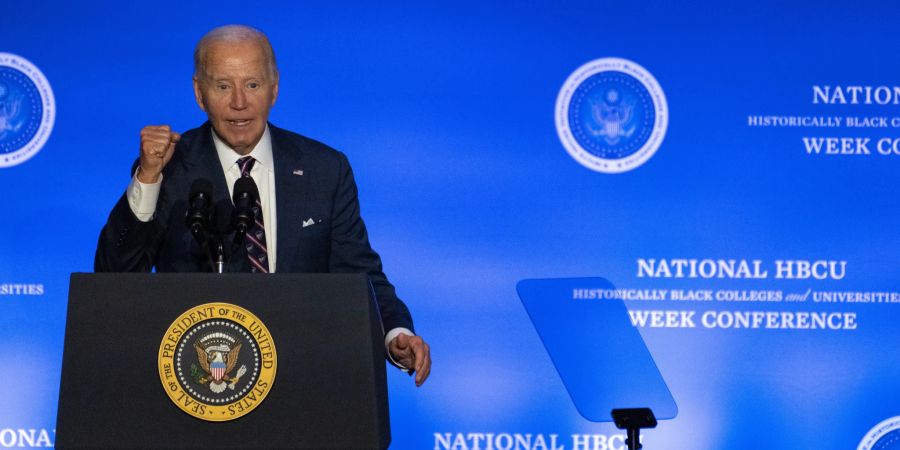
[884, 436]
[27, 110]
[611, 115]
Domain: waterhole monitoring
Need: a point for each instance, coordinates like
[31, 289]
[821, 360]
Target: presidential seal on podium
[217, 362]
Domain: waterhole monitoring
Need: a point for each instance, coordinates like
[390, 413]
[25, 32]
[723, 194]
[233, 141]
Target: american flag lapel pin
[298, 172]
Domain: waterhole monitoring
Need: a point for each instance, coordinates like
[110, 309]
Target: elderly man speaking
[307, 219]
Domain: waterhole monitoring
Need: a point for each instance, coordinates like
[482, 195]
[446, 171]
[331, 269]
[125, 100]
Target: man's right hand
[157, 146]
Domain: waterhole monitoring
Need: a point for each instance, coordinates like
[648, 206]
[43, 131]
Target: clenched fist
[157, 146]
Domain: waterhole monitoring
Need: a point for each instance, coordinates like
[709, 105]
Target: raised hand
[157, 147]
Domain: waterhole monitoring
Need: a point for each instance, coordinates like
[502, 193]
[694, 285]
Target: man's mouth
[239, 122]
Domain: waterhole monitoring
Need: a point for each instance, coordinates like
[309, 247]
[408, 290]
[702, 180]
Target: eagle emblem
[614, 116]
[217, 354]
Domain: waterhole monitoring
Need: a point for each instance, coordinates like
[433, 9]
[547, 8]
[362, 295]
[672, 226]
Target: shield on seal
[217, 368]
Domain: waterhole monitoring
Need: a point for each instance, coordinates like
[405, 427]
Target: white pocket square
[308, 222]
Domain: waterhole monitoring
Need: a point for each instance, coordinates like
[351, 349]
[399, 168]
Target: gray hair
[233, 33]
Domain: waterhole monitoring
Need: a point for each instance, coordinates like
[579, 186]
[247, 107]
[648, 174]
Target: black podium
[330, 389]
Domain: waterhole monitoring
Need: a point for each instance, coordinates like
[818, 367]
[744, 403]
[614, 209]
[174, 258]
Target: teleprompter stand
[632, 420]
[329, 391]
[600, 356]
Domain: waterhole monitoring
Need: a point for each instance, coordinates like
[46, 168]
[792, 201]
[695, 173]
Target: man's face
[236, 91]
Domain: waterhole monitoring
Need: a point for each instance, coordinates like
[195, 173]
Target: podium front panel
[329, 391]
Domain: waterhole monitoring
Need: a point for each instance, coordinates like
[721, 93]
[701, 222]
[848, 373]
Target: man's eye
[253, 85]
[222, 87]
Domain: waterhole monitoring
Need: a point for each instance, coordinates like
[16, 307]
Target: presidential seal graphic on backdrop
[884, 436]
[611, 115]
[217, 362]
[27, 110]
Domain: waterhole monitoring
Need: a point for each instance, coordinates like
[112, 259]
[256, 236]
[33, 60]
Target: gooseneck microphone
[244, 197]
[199, 215]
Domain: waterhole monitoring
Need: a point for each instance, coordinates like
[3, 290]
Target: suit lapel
[204, 161]
[291, 193]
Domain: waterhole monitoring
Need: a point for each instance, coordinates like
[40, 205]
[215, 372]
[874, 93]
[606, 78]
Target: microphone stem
[220, 258]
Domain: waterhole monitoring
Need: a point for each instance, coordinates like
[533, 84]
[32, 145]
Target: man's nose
[238, 99]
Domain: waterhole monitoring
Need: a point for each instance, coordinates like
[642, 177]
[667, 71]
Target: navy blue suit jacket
[312, 180]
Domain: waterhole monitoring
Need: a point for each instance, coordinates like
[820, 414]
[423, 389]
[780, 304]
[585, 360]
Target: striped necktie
[255, 239]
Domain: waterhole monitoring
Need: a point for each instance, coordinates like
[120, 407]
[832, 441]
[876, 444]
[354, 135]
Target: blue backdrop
[447, 113]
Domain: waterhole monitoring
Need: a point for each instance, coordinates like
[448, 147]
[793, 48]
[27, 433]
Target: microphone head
[201, 186]
[245, 196]
[245, 186]
[198, 214]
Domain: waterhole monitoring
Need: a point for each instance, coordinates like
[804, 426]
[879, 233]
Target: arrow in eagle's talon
[240, 373]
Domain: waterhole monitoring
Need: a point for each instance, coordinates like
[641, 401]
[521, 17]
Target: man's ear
[275, 91]
[198, 94]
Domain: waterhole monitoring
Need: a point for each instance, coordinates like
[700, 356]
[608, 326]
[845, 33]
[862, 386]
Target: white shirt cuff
[390, 337]
[142, 197]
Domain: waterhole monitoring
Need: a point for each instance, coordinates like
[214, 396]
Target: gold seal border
[168, 350]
